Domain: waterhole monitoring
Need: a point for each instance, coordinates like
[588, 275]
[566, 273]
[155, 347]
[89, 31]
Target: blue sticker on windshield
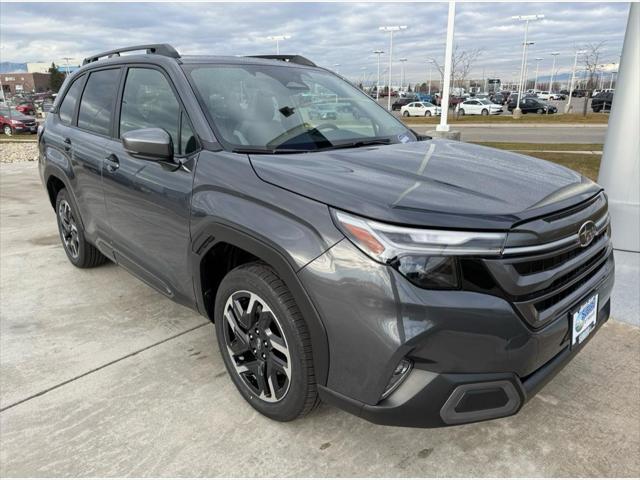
[403, 138]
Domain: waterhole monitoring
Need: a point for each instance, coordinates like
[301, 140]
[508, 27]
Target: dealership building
[23, 82]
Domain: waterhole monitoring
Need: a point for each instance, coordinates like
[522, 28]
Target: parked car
[419, 109]
[408, 280]
[533, 105]
[602, 102]
[579, 93]
[479, 107]
[13, 121]
[323, 111]
[557, 96]
[544, 96]
[401, 102]
[26, 108]
[499, 98]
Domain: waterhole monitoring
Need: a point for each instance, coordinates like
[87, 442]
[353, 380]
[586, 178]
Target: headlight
[16, 122]
[384, 242]
[426, 257]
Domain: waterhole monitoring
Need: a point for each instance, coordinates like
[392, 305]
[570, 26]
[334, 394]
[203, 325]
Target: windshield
[287, 108]
[484, 101]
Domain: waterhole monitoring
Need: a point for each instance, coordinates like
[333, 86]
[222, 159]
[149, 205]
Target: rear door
[148, 202]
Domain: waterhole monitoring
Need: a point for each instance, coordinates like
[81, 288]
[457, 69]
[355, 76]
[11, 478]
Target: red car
[13, 121]
[26, 109]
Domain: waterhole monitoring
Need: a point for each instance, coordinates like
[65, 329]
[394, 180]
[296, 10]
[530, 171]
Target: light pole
[526, 19]
[335, 68]
[364, 76]
[391, 29]
[66, 62]
[567, 107]
[535, 81]
[278, 39]
[378, 53]
[402, 60]
[611, 80]
[430, 67]
[553, 69]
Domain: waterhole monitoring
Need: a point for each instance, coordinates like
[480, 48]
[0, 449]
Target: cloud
[327, 33]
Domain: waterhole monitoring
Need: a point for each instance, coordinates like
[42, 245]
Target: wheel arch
[210, 263]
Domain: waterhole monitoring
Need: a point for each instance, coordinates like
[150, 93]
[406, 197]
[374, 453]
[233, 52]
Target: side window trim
[183, 111]
[82, 79]
[86, 80]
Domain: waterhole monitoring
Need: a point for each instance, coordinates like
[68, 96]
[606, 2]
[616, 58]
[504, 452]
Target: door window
[68, 105]
[149, 102]
[97, 102]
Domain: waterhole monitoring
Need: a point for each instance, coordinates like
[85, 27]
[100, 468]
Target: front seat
[261, 126]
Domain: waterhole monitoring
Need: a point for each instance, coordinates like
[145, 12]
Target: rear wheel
[80, 252]
[265, 343]
[461, 111]
[405, 114]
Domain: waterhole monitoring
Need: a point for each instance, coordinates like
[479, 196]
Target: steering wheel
[327, 126]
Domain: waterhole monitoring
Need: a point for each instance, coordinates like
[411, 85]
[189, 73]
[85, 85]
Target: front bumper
[474, 357]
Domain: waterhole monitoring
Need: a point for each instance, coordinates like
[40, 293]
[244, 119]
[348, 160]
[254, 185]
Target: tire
[427, 113]
[7, 130]
[461, 112]
[287, 395]
[540, 111]
[405, 114]
[80, 253]
[484, 112]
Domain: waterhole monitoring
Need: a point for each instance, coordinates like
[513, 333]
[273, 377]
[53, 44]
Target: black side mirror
[149, 143]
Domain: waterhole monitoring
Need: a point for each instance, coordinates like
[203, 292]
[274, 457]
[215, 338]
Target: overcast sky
[327, 33]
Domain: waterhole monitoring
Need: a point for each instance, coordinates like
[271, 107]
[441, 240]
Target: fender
[213, 233]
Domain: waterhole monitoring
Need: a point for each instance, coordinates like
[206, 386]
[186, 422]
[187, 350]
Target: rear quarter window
[68, 105]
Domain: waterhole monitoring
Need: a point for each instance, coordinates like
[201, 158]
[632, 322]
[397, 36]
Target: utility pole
[391, 29]
[378, 53]
[517, 112]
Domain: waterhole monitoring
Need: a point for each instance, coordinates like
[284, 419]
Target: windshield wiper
[360, 143]
[267, 151]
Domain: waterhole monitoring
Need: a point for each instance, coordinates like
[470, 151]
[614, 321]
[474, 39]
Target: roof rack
[299, 59]
[163, 49]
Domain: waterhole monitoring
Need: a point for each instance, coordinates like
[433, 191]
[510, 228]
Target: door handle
[112, 163]
[67, 144]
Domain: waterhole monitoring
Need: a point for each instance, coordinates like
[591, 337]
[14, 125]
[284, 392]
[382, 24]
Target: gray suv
[407, 280]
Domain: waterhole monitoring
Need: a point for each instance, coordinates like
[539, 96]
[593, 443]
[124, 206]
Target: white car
[419, 109]
[544, 96]
[479, 107]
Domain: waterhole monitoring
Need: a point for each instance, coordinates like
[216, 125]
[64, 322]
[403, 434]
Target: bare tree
[462, 62]
[590, 56]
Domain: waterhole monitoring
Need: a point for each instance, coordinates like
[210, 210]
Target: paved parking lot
[102, 376]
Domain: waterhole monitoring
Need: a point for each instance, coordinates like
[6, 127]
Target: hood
[438, 183]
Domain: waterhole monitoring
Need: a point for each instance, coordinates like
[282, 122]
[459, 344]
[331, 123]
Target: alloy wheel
[7, 130]
[68, 229]
[257, 346]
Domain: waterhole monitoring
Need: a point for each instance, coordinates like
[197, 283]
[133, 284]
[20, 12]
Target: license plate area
[584, 319]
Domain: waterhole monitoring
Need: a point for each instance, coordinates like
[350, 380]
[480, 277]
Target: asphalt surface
[102, 376]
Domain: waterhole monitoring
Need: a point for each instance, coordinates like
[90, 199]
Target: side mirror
[149, 143]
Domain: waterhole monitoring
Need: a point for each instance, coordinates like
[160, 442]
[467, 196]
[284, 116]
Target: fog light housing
[399, 374]
[431, 272]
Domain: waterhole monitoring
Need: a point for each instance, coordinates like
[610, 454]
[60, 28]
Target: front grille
[544, 281]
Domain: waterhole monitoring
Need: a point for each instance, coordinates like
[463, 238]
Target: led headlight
[426, 257]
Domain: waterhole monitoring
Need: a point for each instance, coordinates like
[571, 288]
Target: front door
[148, 203]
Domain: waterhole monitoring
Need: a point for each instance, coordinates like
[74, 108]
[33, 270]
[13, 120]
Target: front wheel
[405, 114]
[461, 112]
[8, 131]
[485, 112]
[539, 111]
[265, 343]
[427, 113]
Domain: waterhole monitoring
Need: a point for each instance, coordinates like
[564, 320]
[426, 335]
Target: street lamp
[535, 81]
[526, 19]
[567, 107]
[430, 62]
[391, 29]
[278, 39]
[378, 53]
[402, 60]
[553, 69]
